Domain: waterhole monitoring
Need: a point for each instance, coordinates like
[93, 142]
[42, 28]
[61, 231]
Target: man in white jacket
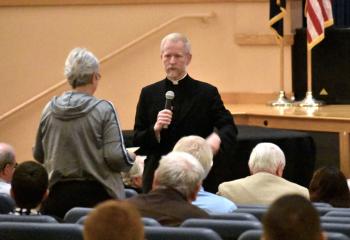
[265, 184]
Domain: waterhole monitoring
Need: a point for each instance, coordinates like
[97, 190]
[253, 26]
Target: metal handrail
[204, 17]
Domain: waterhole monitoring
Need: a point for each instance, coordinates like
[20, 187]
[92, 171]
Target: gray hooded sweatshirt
[79, 138]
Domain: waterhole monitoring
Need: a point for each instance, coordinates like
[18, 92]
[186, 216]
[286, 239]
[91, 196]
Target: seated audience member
[7, 166]
[200, 149]
[292, 217]
[29, 187]
[113, 220]
[176, 182]
[265, 184]
[133, 178]
[329, 185]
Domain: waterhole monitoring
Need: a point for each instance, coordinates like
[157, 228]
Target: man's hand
[163, 119]
[214, 141]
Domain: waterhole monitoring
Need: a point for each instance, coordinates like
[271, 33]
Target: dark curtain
[341, 13]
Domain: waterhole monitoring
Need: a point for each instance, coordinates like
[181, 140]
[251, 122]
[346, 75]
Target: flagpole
[309, 100]
[281, 100]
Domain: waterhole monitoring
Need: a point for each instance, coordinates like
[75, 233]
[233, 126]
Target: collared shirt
[212, 203]
[4, 187]
[176, 82]
[22, 211]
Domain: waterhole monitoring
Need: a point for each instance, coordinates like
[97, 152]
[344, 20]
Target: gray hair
[266, 157]
[176, 37]
[199, 148]
[181, 171]
[7, 155]
[80, 66]
[135, 171]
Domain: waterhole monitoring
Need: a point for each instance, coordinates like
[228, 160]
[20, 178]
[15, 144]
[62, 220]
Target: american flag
[277, 12]
[318, 16]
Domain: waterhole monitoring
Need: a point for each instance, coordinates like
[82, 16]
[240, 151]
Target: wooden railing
[110, 2]
[203, 16]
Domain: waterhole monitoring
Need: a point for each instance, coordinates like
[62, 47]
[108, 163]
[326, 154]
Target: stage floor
[328, 118]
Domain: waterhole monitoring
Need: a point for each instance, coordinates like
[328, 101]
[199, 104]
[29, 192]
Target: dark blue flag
[277, 12]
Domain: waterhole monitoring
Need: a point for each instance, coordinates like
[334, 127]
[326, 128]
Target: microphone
[169, 96]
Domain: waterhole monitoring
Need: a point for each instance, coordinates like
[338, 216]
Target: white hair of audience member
[80, 66]
[267, 157]
[176, 37]
[197, 147]
[135, 172]
[181, 171]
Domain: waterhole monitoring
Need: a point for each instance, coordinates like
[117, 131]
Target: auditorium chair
[129, 192]
[74, 214]
[146, 221]
[258, 212]
[335, 219]
[227, 229]
[233, 216]
[42, 231]
[338, 212]
[337, 227]
[256, 235]
[27, 218]
[176, 233]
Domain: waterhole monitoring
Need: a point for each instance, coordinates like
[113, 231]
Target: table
[328, 118]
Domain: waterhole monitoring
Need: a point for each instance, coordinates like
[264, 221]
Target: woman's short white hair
[266, 157]
[181, 171]
[197, 147]
[176, 37]
[80, 66]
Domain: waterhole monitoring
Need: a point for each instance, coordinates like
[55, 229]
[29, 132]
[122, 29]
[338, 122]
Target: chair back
[74, 214]
[321, 204]
[27, 218]
[146, 221]
[42, 231]
[129, 192]
[257, 234]
[176, 233]
[227, 229]
[336, 236]
[7, 204]
[337, 227]
[233, 216]
[335, 219]
[150, 222]
[251, 235]
[257, 212]
[336, 212]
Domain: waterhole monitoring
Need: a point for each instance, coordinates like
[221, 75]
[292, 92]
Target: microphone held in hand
[169, 96]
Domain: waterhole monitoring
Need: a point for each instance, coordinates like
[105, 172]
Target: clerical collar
[176, 82]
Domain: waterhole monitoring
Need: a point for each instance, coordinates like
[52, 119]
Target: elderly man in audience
[176, 183]
[79, 140]
[265, 184]
[200, 149]
[292, 217]
[113, 220]
[7, 167]
[133, 178]
[29, 187]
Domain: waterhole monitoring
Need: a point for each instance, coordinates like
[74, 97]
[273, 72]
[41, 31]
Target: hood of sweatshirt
[72, 105]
